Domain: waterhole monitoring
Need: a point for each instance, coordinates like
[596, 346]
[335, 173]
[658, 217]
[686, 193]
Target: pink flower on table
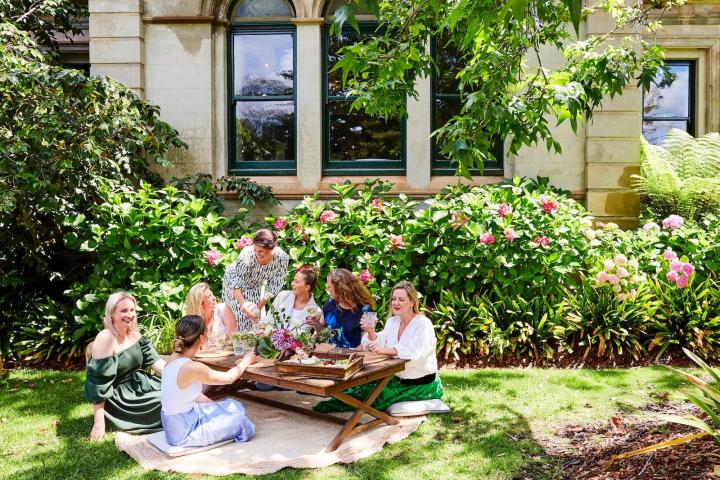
[280, 224]
[602, 277]
[676, 266]
[396, 241]
[650, 226]
[620, 260]
[673, 221]
[457, 220]
[282, 338]
[672, 276]
[244, 241]
[683, 281]
[548, 204]
[327, 216]
[542, 240]
[669, 255]
[608, 265]
[365, 276]
[510, 234]
[504, 210]
[212, 257]
[487, 239]
[622, 272]
[377, 204]
[688, 269]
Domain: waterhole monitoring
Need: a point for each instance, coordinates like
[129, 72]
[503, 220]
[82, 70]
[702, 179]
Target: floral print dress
[248, 275]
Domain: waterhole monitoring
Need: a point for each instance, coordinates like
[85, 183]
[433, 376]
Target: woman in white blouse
[407, 335]
[298, 304]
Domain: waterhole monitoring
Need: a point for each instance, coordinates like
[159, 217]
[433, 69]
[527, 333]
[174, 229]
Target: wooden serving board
[341, 372]
[214, 354]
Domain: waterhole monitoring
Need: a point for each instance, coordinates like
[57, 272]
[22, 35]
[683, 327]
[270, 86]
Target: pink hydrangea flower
[608, 265]
[457, 220]
[282, 338]
[377, 204]
[602, 277]
[614, 279]
[683, 281]
[280, 224]
[673, 221]
[504, 210]
[542, 240]
[632, 294]
[487, 239]
[396, 241]
[212, 257]
[510, 234]
[620, 260]
[650, 226]
[245, 241]
[672, 276]
[621, 296]
[669, 255]
[327, 216]
[688, 269]
[365, 276]
[548, 204]
[622, 272]
[676, 266]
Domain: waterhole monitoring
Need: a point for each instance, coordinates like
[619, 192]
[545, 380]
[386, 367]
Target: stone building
[247, 85]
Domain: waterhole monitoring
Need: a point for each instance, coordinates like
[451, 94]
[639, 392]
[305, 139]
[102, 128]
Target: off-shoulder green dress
[131, 395]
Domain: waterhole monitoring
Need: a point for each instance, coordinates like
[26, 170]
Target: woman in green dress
[123, 395]
[408, 334]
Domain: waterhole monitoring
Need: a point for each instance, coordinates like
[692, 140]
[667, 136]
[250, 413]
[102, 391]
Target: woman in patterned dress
[263, 262]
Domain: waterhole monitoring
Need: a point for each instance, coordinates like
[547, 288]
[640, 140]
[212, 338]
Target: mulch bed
[585, 450]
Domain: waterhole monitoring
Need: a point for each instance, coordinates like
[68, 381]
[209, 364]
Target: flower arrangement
[273, 335]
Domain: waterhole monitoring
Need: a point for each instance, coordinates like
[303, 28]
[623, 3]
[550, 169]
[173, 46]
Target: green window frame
[444, 166]
[675, 118]
[365, 166]
[237, 166]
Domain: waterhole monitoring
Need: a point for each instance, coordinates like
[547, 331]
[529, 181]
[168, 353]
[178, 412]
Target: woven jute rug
[282, 439]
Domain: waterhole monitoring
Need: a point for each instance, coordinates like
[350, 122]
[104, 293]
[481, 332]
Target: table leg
[361, 408]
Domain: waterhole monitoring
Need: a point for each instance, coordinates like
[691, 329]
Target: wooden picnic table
[381, 372]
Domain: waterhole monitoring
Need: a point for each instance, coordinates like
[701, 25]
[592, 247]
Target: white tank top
[174, 399]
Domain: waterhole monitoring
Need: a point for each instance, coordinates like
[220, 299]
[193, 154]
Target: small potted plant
[243, 342]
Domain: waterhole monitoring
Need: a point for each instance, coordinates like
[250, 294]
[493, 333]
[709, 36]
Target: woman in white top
[218, 324]
[298, 304]
[189, 418]
[408, 335]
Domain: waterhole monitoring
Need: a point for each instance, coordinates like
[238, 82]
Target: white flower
[517, 190]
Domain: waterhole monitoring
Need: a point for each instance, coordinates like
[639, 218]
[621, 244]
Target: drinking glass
[372, 319]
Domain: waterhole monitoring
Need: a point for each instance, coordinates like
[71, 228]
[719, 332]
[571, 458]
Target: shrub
[461, 325]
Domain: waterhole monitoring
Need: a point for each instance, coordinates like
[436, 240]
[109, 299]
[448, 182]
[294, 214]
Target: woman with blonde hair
[122, 393]
[409, 335]
[349, 299]
[220, 326]
[189, 418]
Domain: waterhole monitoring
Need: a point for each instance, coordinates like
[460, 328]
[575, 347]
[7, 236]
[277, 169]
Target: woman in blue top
[349, 299]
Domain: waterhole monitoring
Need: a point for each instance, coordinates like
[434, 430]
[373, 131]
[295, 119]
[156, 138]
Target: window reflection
[264, 8]
[668, 103]
[356, 136]
[263, 64]
[265, 130]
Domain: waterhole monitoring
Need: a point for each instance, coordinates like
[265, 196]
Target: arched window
[355, 143]
[447, 102]
[261, 88]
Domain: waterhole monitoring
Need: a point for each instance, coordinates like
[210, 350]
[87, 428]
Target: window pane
[449, 64]
[355, 135]
[263, 64]
[656, 131]
[669, 99]
[335, 78]
[265, 130]
[359, 9]
[445, 108]
[264, 8]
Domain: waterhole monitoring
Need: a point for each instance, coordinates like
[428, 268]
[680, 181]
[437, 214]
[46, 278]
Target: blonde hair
[110, 307]
[411, 293]
[349, 289]
[194, 299]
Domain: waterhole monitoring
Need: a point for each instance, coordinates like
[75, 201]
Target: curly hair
[349, 289]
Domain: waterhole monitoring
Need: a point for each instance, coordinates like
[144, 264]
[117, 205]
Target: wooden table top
[317, 386]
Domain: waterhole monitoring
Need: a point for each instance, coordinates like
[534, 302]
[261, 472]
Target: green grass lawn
[489, 435]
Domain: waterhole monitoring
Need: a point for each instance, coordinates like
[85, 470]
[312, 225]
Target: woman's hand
[248, 359]
[366, 325]
[251, 310]
[374, 347]
[98, 431]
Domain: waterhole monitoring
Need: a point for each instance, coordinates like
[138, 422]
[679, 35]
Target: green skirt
[393, 392]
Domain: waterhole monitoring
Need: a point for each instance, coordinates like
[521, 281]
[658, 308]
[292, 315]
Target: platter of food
[320, 364]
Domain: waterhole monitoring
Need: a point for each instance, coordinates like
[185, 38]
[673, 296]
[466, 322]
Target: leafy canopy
[503, 95]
